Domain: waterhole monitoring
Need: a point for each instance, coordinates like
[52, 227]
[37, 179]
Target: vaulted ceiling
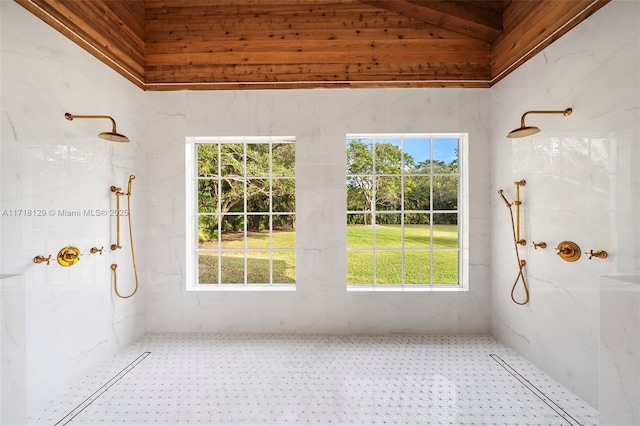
[275, 44]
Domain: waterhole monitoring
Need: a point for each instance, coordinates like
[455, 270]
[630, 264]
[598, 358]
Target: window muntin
[405, 222]
[241, 212]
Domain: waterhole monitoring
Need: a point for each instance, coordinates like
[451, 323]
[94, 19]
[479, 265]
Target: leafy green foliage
[225, 170]
[428, 185]
[383, 180]
[246, 185]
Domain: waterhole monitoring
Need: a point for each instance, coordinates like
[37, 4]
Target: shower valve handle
[600, 254]
[95, 250]
[42, 259]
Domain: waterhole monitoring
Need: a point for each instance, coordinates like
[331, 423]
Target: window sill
[242, 287]
[437, 288]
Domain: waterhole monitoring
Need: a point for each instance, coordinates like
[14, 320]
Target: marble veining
[582, 173]
[319, 120]
[52, 166]
[620, 350]
[582, 183]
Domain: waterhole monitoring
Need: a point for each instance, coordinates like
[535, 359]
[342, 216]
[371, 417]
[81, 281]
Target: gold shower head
[112, 136]
[525, 130]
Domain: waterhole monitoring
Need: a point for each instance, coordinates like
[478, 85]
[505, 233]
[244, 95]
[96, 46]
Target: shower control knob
[568, 251]
[69, 256]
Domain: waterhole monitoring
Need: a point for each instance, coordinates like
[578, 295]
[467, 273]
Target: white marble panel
[13, 371]
[582, 175]
[55, 171]
[319, 120]
[620, 351]
[582, 185]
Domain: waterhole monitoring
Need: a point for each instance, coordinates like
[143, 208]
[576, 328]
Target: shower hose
[521, 264]
[133, 254]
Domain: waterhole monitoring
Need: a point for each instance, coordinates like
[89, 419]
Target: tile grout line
[537, 392]
[73, 413]
[316, 379]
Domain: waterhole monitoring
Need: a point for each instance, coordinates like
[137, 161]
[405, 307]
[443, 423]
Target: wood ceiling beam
[93, 25]
[187, 37]
[187, 60]
[458, 16]
[329, 84]
[240, 73]
[532, 26]
[260, 44]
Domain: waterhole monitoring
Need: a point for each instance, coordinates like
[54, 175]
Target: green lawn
[284, 261]
[284, 267]
[390, 236]
[417, 264]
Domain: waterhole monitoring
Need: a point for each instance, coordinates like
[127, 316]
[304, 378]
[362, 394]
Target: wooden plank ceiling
[278, 44]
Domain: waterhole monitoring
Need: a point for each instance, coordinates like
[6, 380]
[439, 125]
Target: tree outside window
[402, 210]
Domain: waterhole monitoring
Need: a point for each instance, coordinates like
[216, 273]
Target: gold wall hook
[42, 259]
[600, 254]
[568, 251]
[95, 250]
[69, 256]
[542, 245]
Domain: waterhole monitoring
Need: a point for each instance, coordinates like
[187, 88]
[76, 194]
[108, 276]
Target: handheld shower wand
[116, 190]
[131, 178]
[517, 240]
[501, 193]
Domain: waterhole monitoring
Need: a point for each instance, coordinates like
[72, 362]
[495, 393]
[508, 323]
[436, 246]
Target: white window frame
[463, 216]
[191, 174]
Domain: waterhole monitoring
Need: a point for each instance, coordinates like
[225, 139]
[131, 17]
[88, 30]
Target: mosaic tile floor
[251, 379]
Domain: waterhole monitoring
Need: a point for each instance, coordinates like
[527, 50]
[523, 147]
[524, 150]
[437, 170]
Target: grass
[360, 269]
[284, 267]
[388, 263]
[258, 262]
[390, 236]
[417, 267]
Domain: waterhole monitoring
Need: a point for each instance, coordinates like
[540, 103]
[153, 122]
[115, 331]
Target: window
[241, 226]
[405, 220]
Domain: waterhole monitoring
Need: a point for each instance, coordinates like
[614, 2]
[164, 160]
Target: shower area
[93, 342]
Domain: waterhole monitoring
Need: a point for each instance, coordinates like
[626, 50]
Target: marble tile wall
[319, 119]
[51, 166]
[582, 185]
[13, 392]
[620, 350]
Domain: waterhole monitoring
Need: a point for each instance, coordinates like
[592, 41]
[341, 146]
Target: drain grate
[66, 419]
[537, 392]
